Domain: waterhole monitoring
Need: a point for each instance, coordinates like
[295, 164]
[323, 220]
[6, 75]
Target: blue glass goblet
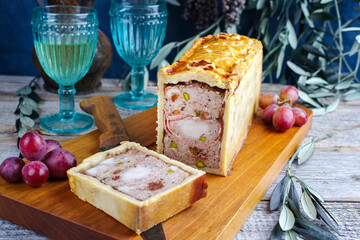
[65, 40]
[138, 29]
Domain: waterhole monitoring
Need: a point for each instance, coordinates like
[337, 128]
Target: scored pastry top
[225, 57]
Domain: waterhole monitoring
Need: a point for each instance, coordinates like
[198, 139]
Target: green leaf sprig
[285, 197]
[306, 47]
[27, 107]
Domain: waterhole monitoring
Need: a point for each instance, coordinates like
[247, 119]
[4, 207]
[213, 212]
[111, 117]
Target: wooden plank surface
[333, 170]
[221, 214]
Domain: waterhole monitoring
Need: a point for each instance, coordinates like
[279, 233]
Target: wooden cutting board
[54, 211]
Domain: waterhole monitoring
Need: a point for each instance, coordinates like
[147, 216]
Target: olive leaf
[305, 152]
[322, 215]
[293, 196]
[27, 121]
[316, 81]
[308, 205]
[276, 233]
[352, 96]
[292, 34]
[185, 48]
[287, 219]
[23, 91]
[277, 195]
[312, 231]
[21, 132]
[303, 96]
[280, 61]
[327, 211]
[163, 53]
[332, 107]
[297, 69]
[313, 235]
[290, 235]
[344, 85]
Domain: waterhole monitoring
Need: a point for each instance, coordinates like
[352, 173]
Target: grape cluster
[278, 110]
[232, 8]
[46, 158]
[202, 12]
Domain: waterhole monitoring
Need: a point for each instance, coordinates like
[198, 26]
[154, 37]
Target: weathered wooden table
[333, 170]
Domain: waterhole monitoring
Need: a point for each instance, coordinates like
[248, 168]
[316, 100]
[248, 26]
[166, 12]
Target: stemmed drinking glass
[65, 40]
[138, 29]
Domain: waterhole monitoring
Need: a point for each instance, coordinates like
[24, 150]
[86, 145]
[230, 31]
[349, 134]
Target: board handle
[107, 119]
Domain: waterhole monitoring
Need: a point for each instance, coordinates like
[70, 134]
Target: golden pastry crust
[135, 214]
[228, 61]
[221, 60]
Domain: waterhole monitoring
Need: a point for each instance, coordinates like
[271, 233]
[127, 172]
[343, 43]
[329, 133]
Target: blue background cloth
[16, 38]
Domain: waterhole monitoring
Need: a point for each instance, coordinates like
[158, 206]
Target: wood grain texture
[221, 214]
[333, 170]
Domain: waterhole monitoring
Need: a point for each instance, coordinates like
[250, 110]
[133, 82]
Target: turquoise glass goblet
[65, 40]
[138, 29]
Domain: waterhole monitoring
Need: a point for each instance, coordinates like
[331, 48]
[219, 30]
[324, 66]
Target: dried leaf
[286, 219]
[217, 30]
[306, 13]
[163, 53]
[276, 233]
[355, 48]
[308, 205]
[351, 29]
[305, 152]
[277, 195]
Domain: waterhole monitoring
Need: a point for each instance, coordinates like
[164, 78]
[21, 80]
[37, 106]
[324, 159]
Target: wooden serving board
[54, 211]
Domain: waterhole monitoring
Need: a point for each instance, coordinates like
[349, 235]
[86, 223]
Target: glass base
[126, 100]
[78, 123]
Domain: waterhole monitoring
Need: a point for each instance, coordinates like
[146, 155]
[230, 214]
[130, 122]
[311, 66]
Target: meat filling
[137, 174]
[193, 123]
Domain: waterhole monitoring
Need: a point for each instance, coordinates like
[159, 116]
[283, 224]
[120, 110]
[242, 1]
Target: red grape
[32, 146]
[59, 161]
[283, 118]
[51, 145]
[300, 116]
[268, 99]
[35, 173]
[268, 112]
[289, 92]
[10, 169]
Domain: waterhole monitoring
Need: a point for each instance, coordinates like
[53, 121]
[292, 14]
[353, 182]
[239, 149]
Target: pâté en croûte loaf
[138, 187]
[207, 100]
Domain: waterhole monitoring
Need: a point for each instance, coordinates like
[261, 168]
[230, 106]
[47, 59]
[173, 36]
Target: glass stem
[66, 97]
[137, 82]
